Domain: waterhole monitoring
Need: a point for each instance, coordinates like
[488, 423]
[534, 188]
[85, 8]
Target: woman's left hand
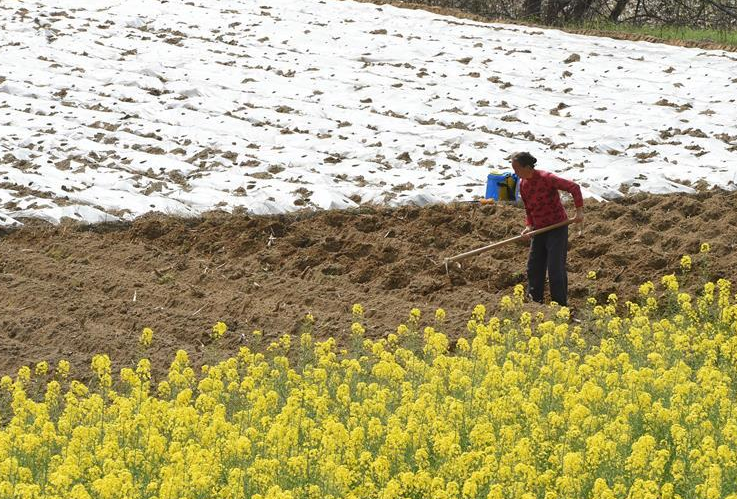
[579, 216]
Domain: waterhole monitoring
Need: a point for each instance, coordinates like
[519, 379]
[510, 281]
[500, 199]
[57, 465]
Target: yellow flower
[506, 304]
[143, 369]
[42, 368]
[357, 329]
[564, 313]
[218, 330]
[79, 492]
[705, 248]
[101, 366]
[164, 390]
[146, 336]
[591, 275]
[63, 368]
[357, 310]
[518, 291]
[414, 314]
[686, 263]
[670, 282]
[646, 289]
[632, 404]
[6, 383]
[24, 374]
[440, 315]
[479, 312]
[572, 463]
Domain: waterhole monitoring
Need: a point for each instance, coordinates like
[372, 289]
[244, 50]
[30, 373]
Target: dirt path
[73, 291]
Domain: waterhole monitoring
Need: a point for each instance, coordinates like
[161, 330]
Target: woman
[548, 251]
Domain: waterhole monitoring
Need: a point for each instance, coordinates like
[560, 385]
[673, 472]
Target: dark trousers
[548, 252]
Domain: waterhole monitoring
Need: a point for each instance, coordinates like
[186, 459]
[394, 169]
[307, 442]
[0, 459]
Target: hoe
[457, 258]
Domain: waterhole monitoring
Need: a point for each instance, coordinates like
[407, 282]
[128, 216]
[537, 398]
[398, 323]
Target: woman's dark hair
[524, 159]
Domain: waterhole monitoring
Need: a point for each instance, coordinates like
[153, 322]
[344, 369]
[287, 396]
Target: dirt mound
[72, 291]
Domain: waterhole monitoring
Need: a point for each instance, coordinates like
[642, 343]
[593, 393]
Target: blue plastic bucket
[502, 187]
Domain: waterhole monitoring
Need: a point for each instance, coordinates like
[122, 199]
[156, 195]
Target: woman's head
[523, 164]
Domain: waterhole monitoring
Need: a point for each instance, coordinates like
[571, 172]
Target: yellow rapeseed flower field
[638, 400]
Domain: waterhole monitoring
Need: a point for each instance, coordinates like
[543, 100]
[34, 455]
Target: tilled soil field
[71, 291]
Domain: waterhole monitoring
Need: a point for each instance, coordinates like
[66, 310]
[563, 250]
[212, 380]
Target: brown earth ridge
[72, 291]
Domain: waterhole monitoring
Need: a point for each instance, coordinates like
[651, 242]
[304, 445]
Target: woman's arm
[569, 186]
[574, 190]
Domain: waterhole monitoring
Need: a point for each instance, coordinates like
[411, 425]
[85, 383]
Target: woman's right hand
[524, 233]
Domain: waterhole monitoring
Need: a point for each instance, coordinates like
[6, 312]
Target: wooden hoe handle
[499, 244]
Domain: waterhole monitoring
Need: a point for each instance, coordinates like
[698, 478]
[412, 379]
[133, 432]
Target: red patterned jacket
[542, 201]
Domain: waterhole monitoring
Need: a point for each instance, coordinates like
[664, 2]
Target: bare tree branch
[723, 8]
[617, 10]
[532, 8]
[718, 14]
[580, 8]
